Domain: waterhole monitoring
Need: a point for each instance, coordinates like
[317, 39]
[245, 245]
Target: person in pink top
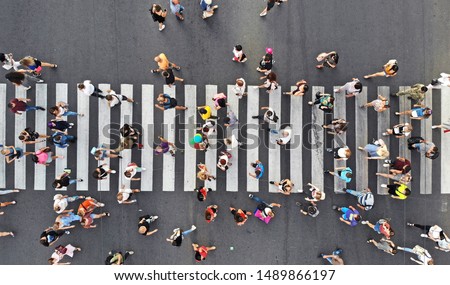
[220, 101]
[44, 156]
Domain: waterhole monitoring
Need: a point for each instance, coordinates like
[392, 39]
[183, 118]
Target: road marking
[148, 97]
[41, 127]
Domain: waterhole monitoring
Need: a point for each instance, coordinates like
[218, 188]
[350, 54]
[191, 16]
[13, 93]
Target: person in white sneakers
[90, 90]
[8, 62]
[5, 234]
[178, 235]
[351, 88]
[114, 99]
[102, 171]
[5, 204]
[434, 233]
[239, 55]
[224, 161]
[62, 201]
[131, 171]
[125, 194]
[317, 195]
[144, 225]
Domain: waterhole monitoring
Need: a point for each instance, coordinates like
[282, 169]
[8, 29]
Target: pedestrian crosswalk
[249, 132]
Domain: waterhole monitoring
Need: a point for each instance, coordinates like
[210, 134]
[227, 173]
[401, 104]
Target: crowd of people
[398, 170]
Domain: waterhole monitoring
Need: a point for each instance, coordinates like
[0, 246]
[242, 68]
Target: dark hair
[198, 256]
[35, 158]
[127, 174]
[312, 210]
[240, 83]
[238, 218]
[424, 89]
[10, 105]
[392, 233]
[272, 76]
[21, 137]
[55, 184]
[2, 57]
[407, 192]
[222, 103]
[394, 250]
[208, 216]
[305, 87]
[108, 97]
[357, 218]
[15, 77]
[222, 161]
[81, 86]
[202, 111]
[238, 47]
[226, 120]
[157, 8]
[53, 109]
[348, 175]
[200, 196]
[407, 168]
[165, 74]
[257, 172]
[394, 68]
[358, 85]
[57, 138]
[268, 57]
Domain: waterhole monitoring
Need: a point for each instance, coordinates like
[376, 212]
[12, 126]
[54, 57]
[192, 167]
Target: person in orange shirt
[164, 64]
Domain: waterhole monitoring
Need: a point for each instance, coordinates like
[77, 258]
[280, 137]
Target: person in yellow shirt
[164, 63]
[205, 113]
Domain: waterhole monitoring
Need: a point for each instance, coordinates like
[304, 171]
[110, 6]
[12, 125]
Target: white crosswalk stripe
[273, 171]
[339, 113]
[445, 141]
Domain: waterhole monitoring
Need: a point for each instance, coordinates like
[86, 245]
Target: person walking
[170, 78]
[89, 89]
[117, 257]
[327, 59]
[165, 147]
[202, 193]
[211, 213]
[20, 105]
[178, 235]
[270, 4]
[144, 225]
[264, 211]
[399, 166]
[206, 113]
[203, 173]
[418, 112]
[397, 190]
[59, 125]
[240, 216]
[239, 88]
[62, 139]
[382, 226]
[385, 245]
[239, 55]
[434, 233]
[366, 199]
[350, 215]
[317, 195]
[270, 82]
[60, 252]
[380, 104]
[124, 196]
[429, 149]
[34, 65]
[158, 15]
[62, 110]
[230, 120]
[64, 180]
[166, 102]
[44, 156]
[13, 153]
[8, 61]
[131, 170]
[102, 171]
[285, 186]
[325, 102]
[114, 99]
[337, 127]
[88, 206]
[220, 101]
[351, 89]
[164, 64]
[269, 116]
[390, 69]
[176, 9]
[101, 153]
[6, 204]
[62, 201]
[402, 178]
[64, 220]
[19, 78]
[376, 150]
[50, 236]
[300, 90]
[340, 153]
[416, 92]
[87, 221]
[30, 136]
[201, 252]
[258, 169]
[232, 142]
[343, 173]
[445, 126]
[266, 63]
[423, 256]
[224, 162]
[308, 210]
[334, 258]
[399, 130]
[208, 8]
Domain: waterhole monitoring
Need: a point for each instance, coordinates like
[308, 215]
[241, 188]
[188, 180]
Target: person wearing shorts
[165, 102]
[390, 69]
[417, 113]
[350, 215]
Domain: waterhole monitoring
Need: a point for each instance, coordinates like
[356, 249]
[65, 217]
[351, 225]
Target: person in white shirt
[131, 171]
[90, 90]
[208, 128]
[62, 201]
[284, 135]
[444, 80]
[351, 88]
[423, 256]
[8, 62]
[232, 142]
[239, 55]
[224, 161]
[436, 234]
[125, 194]
[114, 99]
[239, 88]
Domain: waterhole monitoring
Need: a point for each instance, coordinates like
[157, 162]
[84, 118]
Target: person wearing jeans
[19, 105]
[365, 198]
[334, 258]
[4, 192]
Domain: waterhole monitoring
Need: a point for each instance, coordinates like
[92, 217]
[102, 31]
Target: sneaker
[434, 127]
[154, 71]
[153, 218]
[101, 205]
[300, 190]
[193, 227]
[386, 165]
[329, 149]
[162, 28]
[40, 81]
[410, 225]
[334, 207]
[177, 68]
[388, 161]
[113, 171]
[28, 88]
[362, 106]
[250, 196]
[369, 240]
[67, 232]
[424, 235]
[80, 180]
[255, 117]
[364, 222]
[326, 171]
[143, 169]
[107, 214]
[71, 124]
[271, 182]
[397, 113]
[383, 185]
[263, 14]
[11, 234]
[133, 201]
[320, 255]
[81, 115]
[310, 103]
[130, 252]
[41, 108]
[13, 202]
[385, 134]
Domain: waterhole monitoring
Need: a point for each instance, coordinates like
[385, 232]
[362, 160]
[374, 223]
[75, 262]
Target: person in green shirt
[416, 93]
[397, 190]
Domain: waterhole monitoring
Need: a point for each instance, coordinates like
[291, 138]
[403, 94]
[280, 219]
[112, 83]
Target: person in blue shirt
[259, 169]
[344, 173]
[166, 102]
[176, 9]
[62, 140]
[207, 8]
[350, 215]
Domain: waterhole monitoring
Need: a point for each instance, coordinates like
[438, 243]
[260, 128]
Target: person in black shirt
[59, 125]
[170, 77]
[64, 180]
[102, 171]
[144, 225]
[49, 236]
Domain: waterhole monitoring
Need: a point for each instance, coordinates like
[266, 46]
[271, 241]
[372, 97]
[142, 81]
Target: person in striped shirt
[365, 198]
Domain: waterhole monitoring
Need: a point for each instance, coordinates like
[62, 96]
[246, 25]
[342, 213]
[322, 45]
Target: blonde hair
[28, 60]
[202, 175]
